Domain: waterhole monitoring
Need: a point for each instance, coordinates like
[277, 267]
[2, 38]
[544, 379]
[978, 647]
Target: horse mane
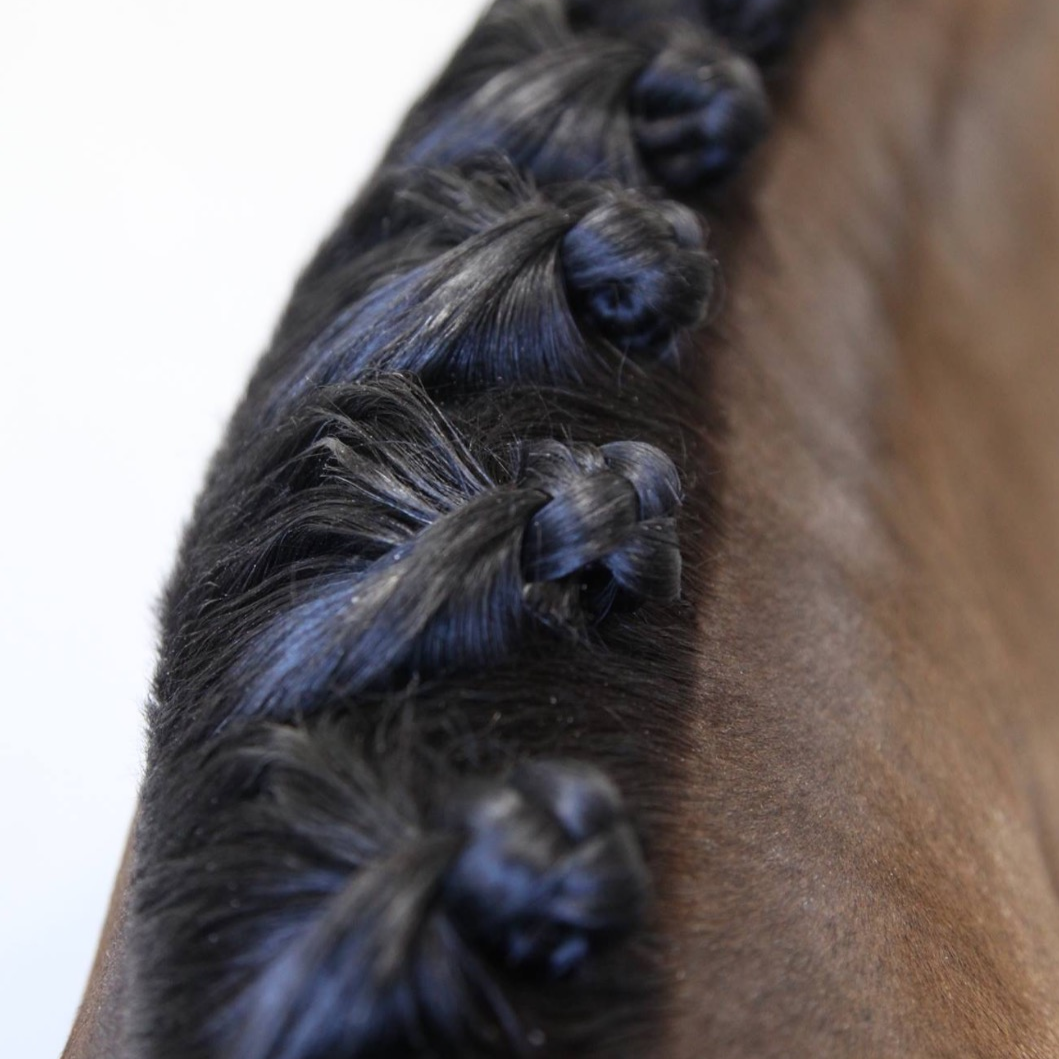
[394, 802]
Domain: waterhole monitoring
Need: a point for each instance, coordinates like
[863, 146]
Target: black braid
[677, 105]
[485, 281]
[371, 544]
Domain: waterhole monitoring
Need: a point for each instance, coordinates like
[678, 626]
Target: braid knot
[609, 506]
[550, 866]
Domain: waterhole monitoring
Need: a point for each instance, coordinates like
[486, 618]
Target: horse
[838, 744]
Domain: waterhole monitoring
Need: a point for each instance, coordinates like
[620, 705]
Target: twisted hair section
[484, 281]
[429, 615]
[370, 540]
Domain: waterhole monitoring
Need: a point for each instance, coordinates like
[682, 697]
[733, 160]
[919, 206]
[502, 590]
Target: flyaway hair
[374, 543]
[408, 736]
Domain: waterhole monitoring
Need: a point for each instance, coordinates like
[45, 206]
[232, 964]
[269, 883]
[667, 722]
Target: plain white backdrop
[165, 169]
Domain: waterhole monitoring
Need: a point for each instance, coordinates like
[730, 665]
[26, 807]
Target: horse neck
[881, 607]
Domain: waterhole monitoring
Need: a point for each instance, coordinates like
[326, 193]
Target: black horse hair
[376, 540]
[673, 104]
[425, 648]
[481, 281]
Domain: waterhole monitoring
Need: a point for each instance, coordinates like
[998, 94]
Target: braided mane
[396, 802]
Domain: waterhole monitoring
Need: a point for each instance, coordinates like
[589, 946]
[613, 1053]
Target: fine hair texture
[431, 598]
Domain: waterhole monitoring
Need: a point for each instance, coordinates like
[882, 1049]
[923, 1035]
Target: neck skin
[869, 841]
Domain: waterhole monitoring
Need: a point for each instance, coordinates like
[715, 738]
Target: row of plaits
[420, 487]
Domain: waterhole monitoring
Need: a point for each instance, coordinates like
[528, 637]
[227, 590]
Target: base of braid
[365, 905]
[698, 112]
[609, 509]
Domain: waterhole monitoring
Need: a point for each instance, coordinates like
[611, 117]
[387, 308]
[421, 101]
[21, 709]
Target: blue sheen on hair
[556, 288]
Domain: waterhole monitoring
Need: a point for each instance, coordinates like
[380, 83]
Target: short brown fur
[868, 860]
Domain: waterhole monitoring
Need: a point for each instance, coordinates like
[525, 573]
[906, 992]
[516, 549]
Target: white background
[165, 169]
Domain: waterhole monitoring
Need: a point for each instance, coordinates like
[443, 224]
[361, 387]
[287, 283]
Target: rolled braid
[373, 545]
[416, 904]
[519, 287]
[555, 88]
[675, 105]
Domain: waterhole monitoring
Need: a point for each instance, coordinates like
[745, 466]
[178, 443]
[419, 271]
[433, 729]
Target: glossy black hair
[428, 619]
[374, 540]
[482, 280]
[672, 103]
